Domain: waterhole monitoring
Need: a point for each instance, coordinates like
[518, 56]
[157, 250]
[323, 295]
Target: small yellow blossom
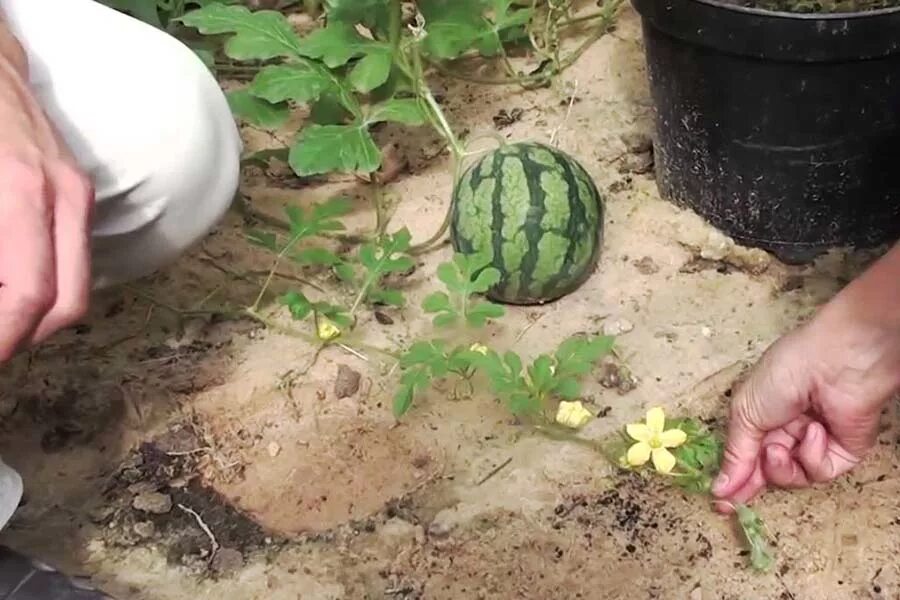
[573, 414]
[653, 441]
[479, 348]
[326, 329]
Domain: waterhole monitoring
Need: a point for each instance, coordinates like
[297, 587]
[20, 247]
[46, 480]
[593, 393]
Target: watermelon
[537, 213]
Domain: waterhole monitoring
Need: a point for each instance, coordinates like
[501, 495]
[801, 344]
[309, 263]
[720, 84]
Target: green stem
[395, 25]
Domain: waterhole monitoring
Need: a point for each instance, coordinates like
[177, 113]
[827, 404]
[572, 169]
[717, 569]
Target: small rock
[142, 487]
[153, 503]
[347, 382]
[145, 529]
[617, 327]
[383, 318]
[617, 377]
[637, 142]
[274, 449]
[227, 560]
[697, 593]
[706, 332]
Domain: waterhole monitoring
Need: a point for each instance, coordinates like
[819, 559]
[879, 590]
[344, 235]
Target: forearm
[874, 297]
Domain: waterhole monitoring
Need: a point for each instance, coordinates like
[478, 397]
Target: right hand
[810, 410]
[45, 221]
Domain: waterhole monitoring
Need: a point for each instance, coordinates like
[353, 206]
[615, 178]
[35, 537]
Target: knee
[183, 181]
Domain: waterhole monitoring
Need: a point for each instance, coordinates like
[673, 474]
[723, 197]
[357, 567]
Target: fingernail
[774, 457]
[720, 483]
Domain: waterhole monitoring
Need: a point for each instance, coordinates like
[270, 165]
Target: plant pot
[780, 129]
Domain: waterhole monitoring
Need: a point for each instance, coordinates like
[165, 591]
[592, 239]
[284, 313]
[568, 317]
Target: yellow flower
[653, 441]
[479, 348]
[326, 329]
[573, 414]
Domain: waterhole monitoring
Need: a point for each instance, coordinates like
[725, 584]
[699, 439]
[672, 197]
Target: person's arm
[809, 412]
[45, 211]
[11, 52]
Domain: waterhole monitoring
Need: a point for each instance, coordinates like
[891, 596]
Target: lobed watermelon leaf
[464, 277]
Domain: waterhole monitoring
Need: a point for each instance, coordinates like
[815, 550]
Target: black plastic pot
[782, 130]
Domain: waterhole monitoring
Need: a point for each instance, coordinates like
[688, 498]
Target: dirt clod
[227, 561]
[646, 266]
[505, 118]
[145, 529]
[153, 503]
[346, 384]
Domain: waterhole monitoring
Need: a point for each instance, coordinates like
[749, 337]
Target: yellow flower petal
[672, 438]
[573, 414]
[639, 432]
[638, 454]
[656, 420]
[663, 460]
[479, 348]
[326, 330]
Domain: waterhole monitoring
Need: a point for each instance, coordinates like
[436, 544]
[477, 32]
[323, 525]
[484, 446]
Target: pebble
[617, 327]
[145, 529]
[273, 449]
[153, 503]
[346, 384]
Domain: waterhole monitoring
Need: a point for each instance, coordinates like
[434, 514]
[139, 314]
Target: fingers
[753, 486]
[745, 437]
[822, 457]
[27, 265]
[781, 470]
[73, 197]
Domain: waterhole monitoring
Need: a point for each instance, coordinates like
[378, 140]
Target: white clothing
[147, 122]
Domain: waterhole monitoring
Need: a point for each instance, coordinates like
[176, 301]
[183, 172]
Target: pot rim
[777, 14]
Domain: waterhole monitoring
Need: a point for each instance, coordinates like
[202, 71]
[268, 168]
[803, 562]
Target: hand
[45, 212]
[810, 410]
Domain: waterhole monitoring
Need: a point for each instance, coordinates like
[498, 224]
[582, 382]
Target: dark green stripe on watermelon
[539, 215]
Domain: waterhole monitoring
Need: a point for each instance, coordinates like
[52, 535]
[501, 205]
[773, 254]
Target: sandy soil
[313, 496]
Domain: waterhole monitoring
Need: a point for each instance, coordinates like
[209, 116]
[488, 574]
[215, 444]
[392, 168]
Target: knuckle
[35, 300]
[25, 177]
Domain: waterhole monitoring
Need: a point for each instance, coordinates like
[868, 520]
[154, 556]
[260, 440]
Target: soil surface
[173, 457]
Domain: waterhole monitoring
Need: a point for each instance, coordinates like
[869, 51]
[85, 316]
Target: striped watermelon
[537, 212]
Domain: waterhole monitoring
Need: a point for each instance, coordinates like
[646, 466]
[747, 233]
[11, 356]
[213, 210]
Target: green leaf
[327, 148]
[403, 400]
[486, 279]
[298, 305]
[405, 110]
[449, 276]
[298, 81]
[345, 272]
[445, 319]
[259, 35]
[452, 26]
[371, 13]
[264, 239]
[436, 302]
[388, 297]
[329, 110]
[523, 403]
[316, 256]
[480, 313]
[337, 43]
[255, 111]
[754, 530]
[504, 19]
[334, 207]
[372, 71]
[541, 372]
[568, 388]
